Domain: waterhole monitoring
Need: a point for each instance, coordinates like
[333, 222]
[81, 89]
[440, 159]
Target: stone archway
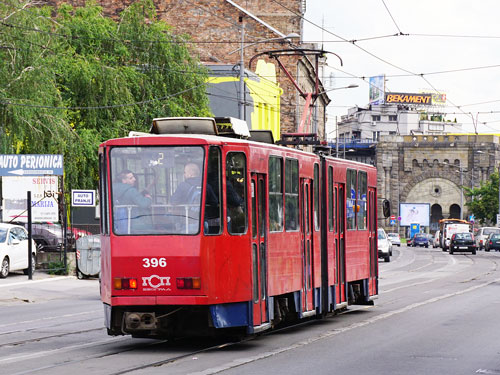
[436, 215]
[440, 193]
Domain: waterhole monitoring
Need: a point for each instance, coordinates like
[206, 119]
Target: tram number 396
[154, 262]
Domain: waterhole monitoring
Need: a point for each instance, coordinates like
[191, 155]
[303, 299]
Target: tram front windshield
[156, 190]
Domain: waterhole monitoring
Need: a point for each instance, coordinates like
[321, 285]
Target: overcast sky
[459, 35]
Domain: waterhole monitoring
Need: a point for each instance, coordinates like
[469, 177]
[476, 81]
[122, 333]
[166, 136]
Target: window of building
[291, 194]
[275, 194]
[393, 118]
[375, 117]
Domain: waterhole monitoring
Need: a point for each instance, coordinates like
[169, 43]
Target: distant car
[462, 242]
[482, 235]
[14, 250]
[420, 239]
[49, 236]
[435, 240]
[384, 245]
[394, 238]
[493, 242]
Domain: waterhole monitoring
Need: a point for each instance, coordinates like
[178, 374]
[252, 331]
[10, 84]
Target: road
[436, 314]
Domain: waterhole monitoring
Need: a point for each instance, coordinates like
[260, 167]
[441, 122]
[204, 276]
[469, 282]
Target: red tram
[229, 234]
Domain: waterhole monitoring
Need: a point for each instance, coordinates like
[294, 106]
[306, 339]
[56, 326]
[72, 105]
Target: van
[482, 235]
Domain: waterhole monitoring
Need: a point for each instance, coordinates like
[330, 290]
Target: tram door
[341, 244]
[372, 229]
[307, 228]
[259, 247]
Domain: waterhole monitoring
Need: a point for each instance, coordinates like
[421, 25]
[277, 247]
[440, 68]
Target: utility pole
[336, 138]
[242, 75]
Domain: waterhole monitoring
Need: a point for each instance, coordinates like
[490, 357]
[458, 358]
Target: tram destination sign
[31, 165]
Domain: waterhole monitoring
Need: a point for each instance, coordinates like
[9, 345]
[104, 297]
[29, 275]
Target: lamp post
[482, 152]
[241, 94]
[460, 169]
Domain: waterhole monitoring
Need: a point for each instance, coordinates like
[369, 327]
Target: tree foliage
[484, 200]
[71, 78]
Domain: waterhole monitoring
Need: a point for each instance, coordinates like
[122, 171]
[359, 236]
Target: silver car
[394, 238]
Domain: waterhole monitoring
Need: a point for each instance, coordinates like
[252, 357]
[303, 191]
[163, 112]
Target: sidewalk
[18, 289]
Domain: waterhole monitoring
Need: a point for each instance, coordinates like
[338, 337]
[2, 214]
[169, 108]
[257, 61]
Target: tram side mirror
[386, 208]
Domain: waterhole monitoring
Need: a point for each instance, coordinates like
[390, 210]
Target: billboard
[408, 98]
[377, 89]
[415, 213]
[44, 198]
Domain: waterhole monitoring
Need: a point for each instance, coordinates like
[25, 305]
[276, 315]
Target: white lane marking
[46, 353]
[334, 332]
[37, 281]
[51, 318]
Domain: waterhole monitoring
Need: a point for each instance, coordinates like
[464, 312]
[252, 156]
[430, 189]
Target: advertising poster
[414, 213]
[377, 89]
[44, 203]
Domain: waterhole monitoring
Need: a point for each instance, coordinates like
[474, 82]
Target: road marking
[37, 281]
[334, 332]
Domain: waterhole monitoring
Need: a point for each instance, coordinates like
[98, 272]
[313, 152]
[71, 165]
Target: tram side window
[103, 194]
[291, 194]
[236, 196]
[351, 199]
[316, 197]
[361, 204]
[275, 194]
[330, 199]
[213, 208]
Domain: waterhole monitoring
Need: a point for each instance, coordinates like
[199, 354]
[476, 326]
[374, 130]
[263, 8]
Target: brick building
[216, 28]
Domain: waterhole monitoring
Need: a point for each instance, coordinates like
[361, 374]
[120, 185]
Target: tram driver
[132, 208]
[188, 194]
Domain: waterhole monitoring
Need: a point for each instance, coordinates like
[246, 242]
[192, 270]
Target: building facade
[433, 170]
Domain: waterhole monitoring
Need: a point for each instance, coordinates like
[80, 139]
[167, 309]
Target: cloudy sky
[449, 45]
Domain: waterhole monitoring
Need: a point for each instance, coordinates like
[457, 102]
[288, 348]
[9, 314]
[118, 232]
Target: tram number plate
[154, 262]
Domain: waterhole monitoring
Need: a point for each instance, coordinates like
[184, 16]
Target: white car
[482, 235]
[394, 238]
[435, 240]
[384, 245]
[14, 250]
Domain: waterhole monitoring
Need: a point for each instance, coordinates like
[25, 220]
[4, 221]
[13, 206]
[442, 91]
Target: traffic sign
[31, 165]
[83, 198]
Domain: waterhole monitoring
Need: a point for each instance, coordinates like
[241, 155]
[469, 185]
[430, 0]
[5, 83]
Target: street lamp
[241, 96]
[460, 169]
[482, 152]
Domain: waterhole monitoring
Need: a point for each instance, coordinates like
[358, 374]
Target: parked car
[462, 242]
[384, 245]
[435, 240]
[14, 250]
[49, 236]
[493, 242]
[482, 235]
[394, 238]
[420, 239]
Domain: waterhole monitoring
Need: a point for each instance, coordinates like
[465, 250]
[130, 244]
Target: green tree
[484, 200]
[72, 78]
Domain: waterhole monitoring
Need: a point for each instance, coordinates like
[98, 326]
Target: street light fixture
[460, 169]
[482, 152]
[241, 96]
